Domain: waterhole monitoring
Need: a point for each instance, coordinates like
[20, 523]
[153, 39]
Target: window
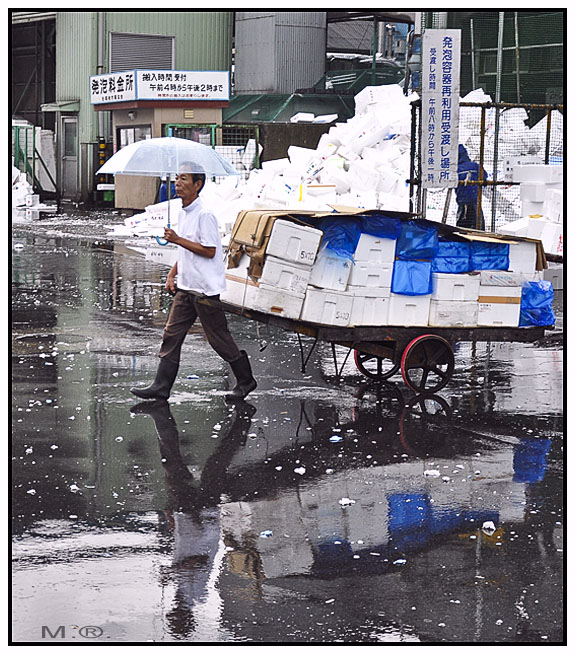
[141, 51]
[127, 135]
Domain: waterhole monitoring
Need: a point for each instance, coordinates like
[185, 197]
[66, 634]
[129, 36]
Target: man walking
[198, 272]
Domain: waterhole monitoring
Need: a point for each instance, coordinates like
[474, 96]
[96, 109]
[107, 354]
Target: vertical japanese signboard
[441, 51]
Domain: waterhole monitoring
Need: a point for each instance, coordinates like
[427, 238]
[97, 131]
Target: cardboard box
[369, 274]
[499, 306]
[453, 313]
[370, 306]
[452, 286]
[408, 310]
[293, 242]
[330, 271]
[327, 307]
[375, 249]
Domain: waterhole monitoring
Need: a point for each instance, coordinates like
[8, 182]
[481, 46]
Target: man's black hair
[188, 167]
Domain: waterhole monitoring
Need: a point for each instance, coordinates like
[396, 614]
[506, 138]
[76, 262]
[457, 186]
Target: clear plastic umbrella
[167, 156]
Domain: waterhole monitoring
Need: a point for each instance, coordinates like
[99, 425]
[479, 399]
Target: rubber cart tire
[427, 363]
[375, 367]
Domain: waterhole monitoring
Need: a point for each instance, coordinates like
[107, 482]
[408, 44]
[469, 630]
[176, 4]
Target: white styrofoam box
[278, 302]
[516, 228]
[552, 238]
[462, 287]
[363, 176]
[453, 313]
[499, 306]
[371, 274]
[32, 200]
[330, 270]
[261, 297]
[327, 307]
[522, 257]
[554, 274]
[532, 191]
[285, 274]
[538, 173]
[511, 162]
[409, 310]
[370, 306]
[507, 278]
[553, 204]
[375, 248]
[293, 242]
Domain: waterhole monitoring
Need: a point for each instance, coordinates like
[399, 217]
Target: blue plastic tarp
[489, 256]
[537, 304]
[452, 257]
[417, 241]
[412, 277]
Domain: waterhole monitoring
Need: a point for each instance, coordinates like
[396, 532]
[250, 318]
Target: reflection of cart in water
[423, 354]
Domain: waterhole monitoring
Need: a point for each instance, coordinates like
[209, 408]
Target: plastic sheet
[412, 277]
[489, 256]
[537, 304]
[452, 257]
[381, 226]
[417, 241]
[340, 235]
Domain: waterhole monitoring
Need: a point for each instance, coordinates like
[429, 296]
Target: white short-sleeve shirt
[198, 223]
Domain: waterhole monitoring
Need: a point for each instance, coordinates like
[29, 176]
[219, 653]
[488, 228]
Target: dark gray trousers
[184, 312]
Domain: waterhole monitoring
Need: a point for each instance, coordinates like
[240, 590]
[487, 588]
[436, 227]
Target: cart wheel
[375, 367]
[427, 363]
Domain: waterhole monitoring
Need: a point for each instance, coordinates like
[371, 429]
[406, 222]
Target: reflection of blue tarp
[530, 459]
[417, 241]
[412, 278]
[536, 304]
[452, 257]
[489, 256]
[414, 521]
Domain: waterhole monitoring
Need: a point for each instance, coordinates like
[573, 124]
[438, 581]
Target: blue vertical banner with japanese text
[441, 56]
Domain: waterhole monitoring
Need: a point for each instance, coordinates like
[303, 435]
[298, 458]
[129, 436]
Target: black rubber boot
[245, 380]
[160, 389]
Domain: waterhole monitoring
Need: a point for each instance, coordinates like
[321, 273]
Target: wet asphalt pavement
[318, 511]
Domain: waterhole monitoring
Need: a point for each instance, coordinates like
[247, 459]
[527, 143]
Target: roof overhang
[61, 106]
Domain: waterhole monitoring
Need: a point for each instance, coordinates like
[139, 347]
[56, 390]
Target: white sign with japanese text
[160, 85]
[441, 54]
[183, 85]
[114, 87]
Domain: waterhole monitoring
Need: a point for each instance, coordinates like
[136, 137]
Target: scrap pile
[384, 268]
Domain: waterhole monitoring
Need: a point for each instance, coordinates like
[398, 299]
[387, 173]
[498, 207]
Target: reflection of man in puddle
[194, 513]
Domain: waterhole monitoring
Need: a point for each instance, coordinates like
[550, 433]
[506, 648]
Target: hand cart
[423, 354]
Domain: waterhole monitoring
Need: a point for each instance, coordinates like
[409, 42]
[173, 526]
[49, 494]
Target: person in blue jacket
[466, 194]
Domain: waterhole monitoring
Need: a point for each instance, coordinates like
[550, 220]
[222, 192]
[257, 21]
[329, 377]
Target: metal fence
[496, 136]
[239, 144]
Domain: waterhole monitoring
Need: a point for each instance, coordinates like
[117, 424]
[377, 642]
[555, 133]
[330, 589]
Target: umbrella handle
[159, 240]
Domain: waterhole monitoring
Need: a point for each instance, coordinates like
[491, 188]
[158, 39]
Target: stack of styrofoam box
[370, 280]
[454, 301]
[535, 181]
[290, 253]
[499, 298]
[327, 301]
